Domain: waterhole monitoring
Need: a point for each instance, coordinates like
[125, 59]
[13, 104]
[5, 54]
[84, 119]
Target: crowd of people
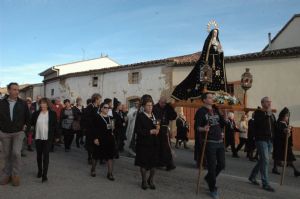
[105, 128]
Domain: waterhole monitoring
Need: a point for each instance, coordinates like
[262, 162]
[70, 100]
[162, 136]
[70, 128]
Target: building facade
[275, 71]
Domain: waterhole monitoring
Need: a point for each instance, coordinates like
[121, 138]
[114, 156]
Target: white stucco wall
[38, 90]
[277, 78]
[113, 84]
[290, 37]
[49, 86]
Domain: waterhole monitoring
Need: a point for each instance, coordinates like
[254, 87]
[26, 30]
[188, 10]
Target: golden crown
[212, 23]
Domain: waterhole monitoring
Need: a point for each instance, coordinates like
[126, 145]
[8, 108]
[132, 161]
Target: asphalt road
[69, 178]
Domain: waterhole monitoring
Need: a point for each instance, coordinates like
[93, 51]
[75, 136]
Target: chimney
[270, 40]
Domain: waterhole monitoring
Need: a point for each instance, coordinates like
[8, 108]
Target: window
[132, 101]
[95, 81]
[135, 77]
[52, 91]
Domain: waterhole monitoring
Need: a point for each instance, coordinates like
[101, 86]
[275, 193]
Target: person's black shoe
[275, 171]
[268, 188]
[252, 159]
[78, 146]
[110, 177]
[235, 156]
[151, 185]
[296, 173]
[23, 155]
[93, 173]
[44, 179]
[206, 179]
[101, 161]
[253, 181]
[57, 144]
[67, 150]
[39, 175]
[144, 185]
[30, 149]
[171, 167]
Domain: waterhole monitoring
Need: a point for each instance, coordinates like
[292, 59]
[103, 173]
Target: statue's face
[215, 33]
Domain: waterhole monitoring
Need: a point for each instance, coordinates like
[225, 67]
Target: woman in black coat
[147, 143]
[45, 123]
[120, 126]
[103, 140]
[250, 145]
[282, 131]
[78, 108]
[182, 131]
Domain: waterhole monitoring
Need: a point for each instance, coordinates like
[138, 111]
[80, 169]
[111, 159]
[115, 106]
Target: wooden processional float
[208, 74]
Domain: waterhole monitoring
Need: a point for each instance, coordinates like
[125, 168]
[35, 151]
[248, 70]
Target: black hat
[116, 102]
[285, 111]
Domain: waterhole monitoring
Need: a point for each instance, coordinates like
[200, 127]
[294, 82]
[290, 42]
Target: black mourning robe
[191, 87]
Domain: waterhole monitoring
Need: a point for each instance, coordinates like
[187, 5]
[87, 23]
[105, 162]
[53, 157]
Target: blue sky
[37, 34]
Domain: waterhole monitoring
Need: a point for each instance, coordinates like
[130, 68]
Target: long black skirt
[147, 156]
[106, 150]
[279, 152]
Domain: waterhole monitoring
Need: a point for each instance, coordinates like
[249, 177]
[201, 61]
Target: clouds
[37, 34]
[27, 73]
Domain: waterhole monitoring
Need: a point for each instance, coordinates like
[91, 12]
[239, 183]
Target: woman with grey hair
[77, 122]
[229, 134]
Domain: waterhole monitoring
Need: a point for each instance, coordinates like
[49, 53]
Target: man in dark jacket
[14, 120]
[164, 112]
[208, 120]
[264, 127]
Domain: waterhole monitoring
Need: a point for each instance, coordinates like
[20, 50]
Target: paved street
[69, 178]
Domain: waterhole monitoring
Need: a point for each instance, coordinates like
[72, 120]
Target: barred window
[134, 77]
[95, 81]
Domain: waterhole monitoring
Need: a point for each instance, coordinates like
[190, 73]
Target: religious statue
[212, 58]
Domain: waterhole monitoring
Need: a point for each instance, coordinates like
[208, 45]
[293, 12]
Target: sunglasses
[105, 107]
